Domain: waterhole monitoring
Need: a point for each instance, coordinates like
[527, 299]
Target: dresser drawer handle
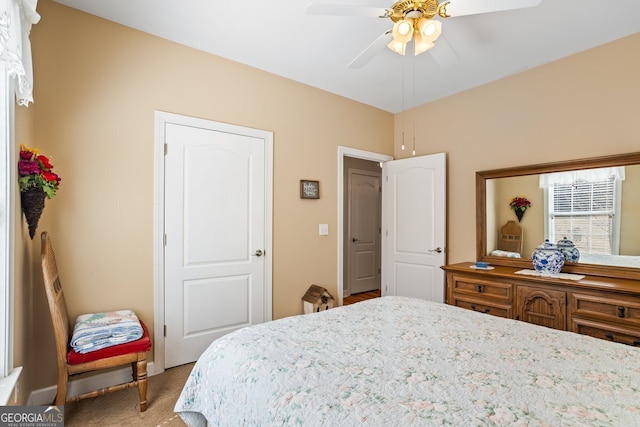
[621, 311]
[486, 310]
[479, 288]
[609, 336]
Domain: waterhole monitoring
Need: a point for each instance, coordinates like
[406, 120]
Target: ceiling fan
[413, 20]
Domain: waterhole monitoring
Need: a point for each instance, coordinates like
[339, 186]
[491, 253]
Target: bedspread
[396, 361]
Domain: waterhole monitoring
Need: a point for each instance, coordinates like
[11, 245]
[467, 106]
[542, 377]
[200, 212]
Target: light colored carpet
[120, 408]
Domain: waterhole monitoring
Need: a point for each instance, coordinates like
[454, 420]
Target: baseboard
[45, 396]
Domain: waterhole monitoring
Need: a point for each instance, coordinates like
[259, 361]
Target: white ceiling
[279, 37]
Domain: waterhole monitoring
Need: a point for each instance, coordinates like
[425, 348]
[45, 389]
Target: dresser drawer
[606, 307]
[606, 331]
[482, 306]
[502, 291]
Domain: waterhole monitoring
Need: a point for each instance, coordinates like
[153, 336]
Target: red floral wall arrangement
[520, 204]
[37, 181]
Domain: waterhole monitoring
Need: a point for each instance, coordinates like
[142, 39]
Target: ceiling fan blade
[346, 10]
[443, 53]
[473, 7]
[372, 50]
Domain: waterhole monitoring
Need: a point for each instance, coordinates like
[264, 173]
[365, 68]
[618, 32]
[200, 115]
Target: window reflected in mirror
[599, 212]
[596, 209]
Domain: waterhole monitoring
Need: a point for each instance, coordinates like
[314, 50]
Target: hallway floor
[352, 299]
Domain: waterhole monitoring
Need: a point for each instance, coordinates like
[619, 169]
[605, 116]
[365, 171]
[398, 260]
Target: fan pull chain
[402, 112]
[413, 105]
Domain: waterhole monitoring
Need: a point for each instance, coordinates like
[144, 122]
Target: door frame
[356, 154]
[161, 118]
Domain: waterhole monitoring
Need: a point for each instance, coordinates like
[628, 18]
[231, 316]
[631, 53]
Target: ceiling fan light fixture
[421, 45]
[402, 34]
[403, 30]
[429, 29]
[397, 46]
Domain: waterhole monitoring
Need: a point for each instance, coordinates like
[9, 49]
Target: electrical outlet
[323, 229]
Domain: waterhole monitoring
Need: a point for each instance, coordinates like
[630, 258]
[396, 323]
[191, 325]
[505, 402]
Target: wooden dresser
[602, 307]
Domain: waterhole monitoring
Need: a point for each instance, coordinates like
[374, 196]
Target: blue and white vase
[569, 250]
[547, 258]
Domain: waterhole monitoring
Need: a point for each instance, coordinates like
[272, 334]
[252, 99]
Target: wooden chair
[69, 361]
[510, 238]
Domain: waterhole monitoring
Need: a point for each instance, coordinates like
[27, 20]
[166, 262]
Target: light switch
[323, 229]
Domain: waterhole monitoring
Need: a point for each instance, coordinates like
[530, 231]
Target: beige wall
[97, 85]
[583, 106]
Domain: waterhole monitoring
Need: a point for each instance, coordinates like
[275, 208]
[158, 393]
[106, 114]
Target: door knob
[436, 250]
[353, 239]
[259, 253]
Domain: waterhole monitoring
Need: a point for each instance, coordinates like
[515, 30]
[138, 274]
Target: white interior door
[413, 227]
[216, 252]
[364, 231]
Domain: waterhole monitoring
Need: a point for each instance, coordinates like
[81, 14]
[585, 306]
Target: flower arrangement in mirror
[520, 204]
[37, 181]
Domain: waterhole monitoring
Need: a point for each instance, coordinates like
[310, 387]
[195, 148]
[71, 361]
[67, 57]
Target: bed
[401, 361]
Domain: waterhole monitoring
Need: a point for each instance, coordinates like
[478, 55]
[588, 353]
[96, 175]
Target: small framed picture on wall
[309, 189]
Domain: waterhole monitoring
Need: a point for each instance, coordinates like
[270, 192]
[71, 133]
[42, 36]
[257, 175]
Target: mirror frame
[525, 263]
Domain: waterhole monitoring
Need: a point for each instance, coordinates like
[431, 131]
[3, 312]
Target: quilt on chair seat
[142, 344]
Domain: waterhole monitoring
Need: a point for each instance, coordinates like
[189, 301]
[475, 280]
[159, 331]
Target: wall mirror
[496, 188]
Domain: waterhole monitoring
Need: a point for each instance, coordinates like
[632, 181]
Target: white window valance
[589, 175]
[16, 19]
